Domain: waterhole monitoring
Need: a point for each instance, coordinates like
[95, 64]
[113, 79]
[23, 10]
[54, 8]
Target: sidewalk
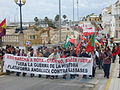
[114, 82]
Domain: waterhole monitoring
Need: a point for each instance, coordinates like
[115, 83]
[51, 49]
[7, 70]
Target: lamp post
[20, 3]
[78, 10]
[73, 13]
[60, 20]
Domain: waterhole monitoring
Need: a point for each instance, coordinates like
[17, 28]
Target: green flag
[67, 43]
[91, 44]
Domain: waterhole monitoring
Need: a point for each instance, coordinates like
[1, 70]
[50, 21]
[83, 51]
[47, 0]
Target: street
[13, 82]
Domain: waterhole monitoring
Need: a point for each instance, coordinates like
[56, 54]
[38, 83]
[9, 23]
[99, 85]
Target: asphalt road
[13, 82]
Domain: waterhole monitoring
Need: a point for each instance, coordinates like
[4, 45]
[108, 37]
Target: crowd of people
[102, 57]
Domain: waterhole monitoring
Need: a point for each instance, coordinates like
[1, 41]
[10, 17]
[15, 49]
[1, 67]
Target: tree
[64, 16]
[46, 20]
[36, 21]
[49, 23]
[57, 18]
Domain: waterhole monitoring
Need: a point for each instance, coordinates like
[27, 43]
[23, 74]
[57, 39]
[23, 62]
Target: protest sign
[48, 66]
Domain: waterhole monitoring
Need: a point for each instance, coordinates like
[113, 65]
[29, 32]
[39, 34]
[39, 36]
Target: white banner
[87, 27]
[47, 66]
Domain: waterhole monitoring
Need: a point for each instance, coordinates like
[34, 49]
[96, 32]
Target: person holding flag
[118, 53]
[107, 62]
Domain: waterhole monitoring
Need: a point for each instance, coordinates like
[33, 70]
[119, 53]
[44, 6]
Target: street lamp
[78, 10]
[20, 3]
[73, 12]
[60, 20]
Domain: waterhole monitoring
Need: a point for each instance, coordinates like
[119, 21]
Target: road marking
[110, 79]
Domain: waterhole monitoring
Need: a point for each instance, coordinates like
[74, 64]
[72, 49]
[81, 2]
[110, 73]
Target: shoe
[17, 75]
[107, 77]
[64, 77]
[56, 77]
[32, 75]
[118, 77]
[24, 74]
[7, 74]
[52, 77]
[39, 76]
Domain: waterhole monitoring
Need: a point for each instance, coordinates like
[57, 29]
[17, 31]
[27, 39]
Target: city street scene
[60, 45]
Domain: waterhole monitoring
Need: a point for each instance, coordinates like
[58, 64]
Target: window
[32, 37]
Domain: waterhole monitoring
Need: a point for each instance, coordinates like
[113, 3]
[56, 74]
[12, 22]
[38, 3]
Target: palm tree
[57, 18]
[36, 21]
[64, 16]
[46, 20]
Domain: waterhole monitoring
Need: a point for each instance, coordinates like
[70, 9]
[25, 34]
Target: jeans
[113, 59]
[106, 68]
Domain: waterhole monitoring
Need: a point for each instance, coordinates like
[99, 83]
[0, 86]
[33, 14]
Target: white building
[111, 19]
[106, 19]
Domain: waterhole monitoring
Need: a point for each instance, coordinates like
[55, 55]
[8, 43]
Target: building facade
[92, 17]
[111, 19]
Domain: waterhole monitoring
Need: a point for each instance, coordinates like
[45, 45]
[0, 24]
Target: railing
[19, 40]
[10, 40]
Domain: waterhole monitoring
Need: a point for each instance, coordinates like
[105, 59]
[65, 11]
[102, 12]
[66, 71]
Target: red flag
[3, 28]
[72, 41]
[78, 47]
[117, 52]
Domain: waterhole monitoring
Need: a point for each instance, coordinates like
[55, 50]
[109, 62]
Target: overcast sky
[49, 8]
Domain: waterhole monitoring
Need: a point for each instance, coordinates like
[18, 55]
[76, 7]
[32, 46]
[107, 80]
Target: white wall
[106, 21]
[113, 25]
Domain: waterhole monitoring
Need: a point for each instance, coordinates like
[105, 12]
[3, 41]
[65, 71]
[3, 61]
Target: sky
[50, 8]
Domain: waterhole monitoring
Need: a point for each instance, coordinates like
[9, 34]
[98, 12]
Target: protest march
[77, 56]
[71, 59]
